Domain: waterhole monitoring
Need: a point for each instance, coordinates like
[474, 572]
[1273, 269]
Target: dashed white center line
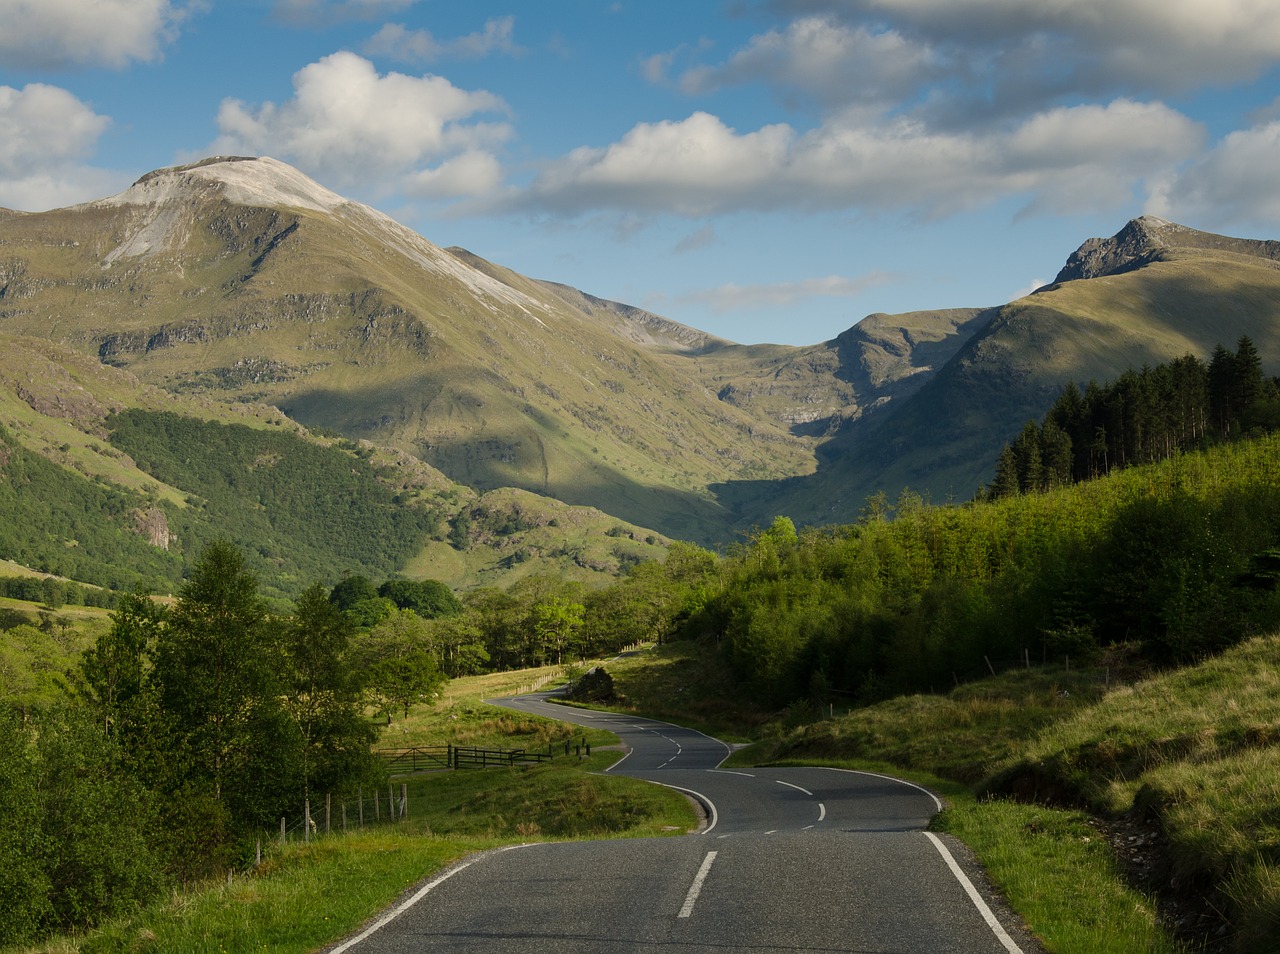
[695, 889]
[796, 787]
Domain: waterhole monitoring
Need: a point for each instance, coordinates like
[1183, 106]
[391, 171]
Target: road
[788, 860]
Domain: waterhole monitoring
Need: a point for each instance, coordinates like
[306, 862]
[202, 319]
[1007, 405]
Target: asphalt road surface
[788, 860]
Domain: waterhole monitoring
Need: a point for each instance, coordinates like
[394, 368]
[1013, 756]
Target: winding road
[788, 860]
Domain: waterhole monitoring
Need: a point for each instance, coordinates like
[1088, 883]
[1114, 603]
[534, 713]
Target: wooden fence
[422, 758]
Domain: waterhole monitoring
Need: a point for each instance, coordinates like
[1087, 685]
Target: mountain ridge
[241, 280]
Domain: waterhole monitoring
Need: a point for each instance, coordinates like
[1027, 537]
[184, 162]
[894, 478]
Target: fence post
[282, 832]
[404, 800]
[306, 821]
[360, 789]
[344, 816]
[328, 807]
[257, 854]
[391, 801]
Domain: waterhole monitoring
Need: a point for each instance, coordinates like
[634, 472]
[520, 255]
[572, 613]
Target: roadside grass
[461, 716]
[687, 683]
[1059, 872]
[303, 897]
[1196, 752]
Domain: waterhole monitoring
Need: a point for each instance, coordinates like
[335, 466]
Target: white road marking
[992, 921]
[416, 897]
[796, 787]
[822, 811]
[695, 889]
[728, 772]
[920, 788]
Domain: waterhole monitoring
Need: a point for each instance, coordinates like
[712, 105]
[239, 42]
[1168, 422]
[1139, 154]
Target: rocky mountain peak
[1135, 245]
[1148, 239]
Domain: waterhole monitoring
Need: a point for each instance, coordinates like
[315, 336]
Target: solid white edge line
[901, 781]
[992, 921]
[706, 802]
[695, 889]
[414, 899]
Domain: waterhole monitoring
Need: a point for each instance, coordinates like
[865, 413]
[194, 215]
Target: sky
[763, 170]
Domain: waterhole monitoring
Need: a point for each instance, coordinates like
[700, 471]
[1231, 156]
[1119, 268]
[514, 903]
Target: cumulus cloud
[694, 167]
[397, 42]
[1064, 159]
[1158, 45]
[1236, 184]
[346, 122]
[55, 34]
[733, 298]
[467, 175]
[835, 63]
[48, 135]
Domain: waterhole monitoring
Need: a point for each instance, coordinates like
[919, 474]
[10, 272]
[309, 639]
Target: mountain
[239, 283]
[241, 280]
[1153, 292]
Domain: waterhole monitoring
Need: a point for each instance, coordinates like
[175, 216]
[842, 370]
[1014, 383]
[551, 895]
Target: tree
[323, 689]
[1006, 482]
[428, 598]
[351, 590]
[555, 623]
[217, 667]
[115, 668]
[24, 882]
[402, 671]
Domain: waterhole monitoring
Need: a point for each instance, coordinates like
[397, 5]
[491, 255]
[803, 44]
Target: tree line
[184, 731]
[1142, 417]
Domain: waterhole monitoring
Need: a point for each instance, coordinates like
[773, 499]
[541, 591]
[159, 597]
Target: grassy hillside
[113, 482]
[943, 440]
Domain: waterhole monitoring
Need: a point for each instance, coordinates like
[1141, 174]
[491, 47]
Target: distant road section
[788, 860]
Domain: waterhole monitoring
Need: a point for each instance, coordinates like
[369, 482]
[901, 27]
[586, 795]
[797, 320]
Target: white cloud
[733, 298]
[823, 58]
[1235, 184]
[1159, 45]
[1065, 159]
[695, 166]
[54, 34]
[419, 46]
[347, 123]
[470, 174]
[48, 134]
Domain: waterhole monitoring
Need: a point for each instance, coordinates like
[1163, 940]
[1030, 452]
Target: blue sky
[765, 170]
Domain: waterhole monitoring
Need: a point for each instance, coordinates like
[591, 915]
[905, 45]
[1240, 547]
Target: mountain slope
[1152, 293]
[113, 482]
[240, 281]
[243, 280]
